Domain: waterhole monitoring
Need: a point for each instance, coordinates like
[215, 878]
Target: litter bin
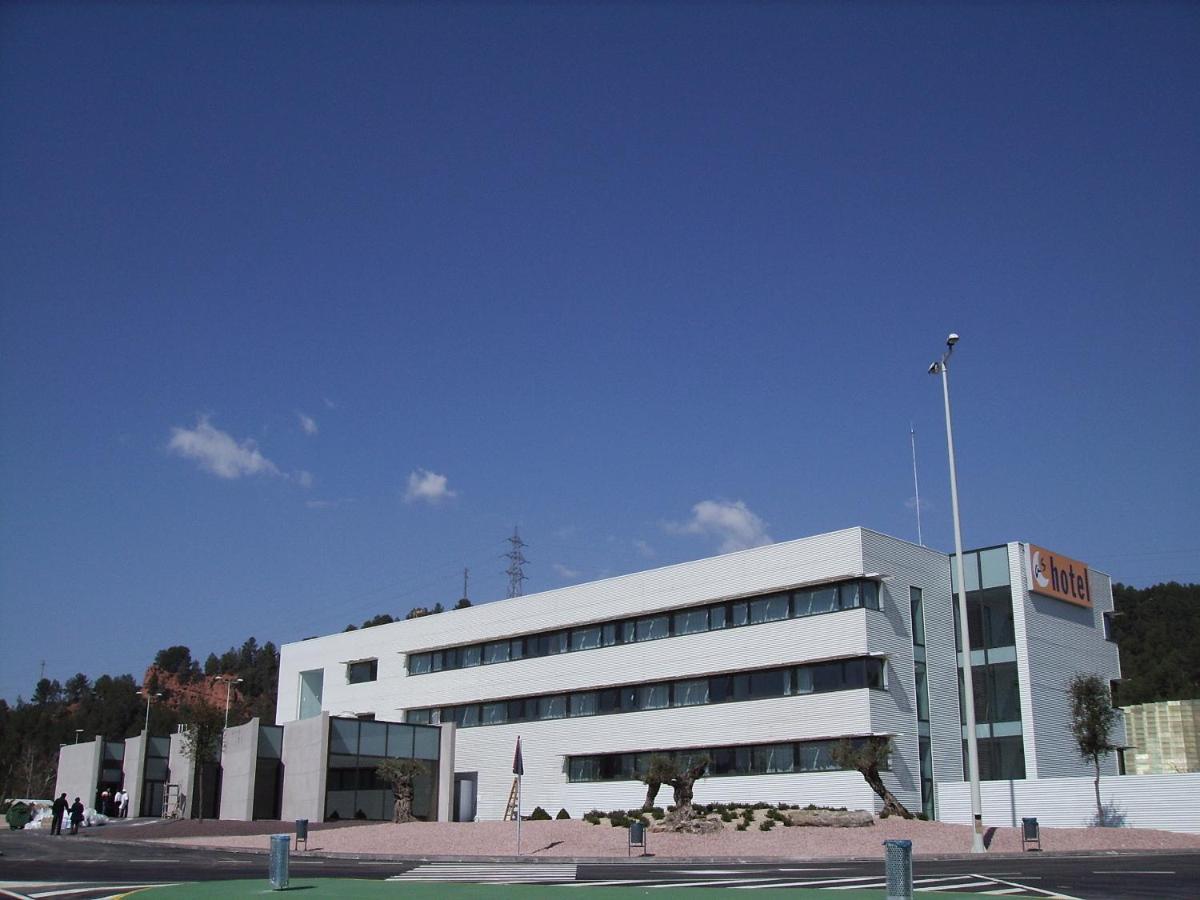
[637, 837]
[898, 866]
[18, 816]
[281, 844]
[302, 833]
[1031, 833]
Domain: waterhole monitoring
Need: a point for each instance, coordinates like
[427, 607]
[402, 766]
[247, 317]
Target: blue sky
[304, 306]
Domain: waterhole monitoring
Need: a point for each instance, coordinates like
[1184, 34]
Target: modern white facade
[759, 659]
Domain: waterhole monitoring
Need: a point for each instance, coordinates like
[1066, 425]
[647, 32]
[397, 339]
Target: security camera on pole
[941, 367]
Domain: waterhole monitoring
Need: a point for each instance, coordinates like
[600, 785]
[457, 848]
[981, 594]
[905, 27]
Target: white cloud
[911, 503]
[563, 571]
[427, 486]
[644, 549]
[305, 478]
[307, 423]
[733, 523]
[329, 404]
[218, 452]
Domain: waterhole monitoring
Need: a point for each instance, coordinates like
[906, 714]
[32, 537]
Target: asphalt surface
[90, 858]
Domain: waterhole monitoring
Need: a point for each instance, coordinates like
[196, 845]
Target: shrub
[923, 817]
[591, 818]
[766, 824]
[539, 815]
[741, 826]
[563, 814]
[726, 816]
[658, 812]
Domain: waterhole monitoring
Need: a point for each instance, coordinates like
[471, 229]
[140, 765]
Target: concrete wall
[239, 758]
[305, 767]
[183, 772]
[1169, 802]
[135, 768]
[79, 771]
[445, 797]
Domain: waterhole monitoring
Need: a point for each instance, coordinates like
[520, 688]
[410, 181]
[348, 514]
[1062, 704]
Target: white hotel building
[759, 659]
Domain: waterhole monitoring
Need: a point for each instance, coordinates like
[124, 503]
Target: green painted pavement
[353, 888]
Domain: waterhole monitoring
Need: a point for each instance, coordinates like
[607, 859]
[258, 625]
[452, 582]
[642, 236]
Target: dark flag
[518, 762]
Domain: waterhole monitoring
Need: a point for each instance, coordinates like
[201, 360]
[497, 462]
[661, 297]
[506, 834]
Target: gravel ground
[580, 840]
[217, 829]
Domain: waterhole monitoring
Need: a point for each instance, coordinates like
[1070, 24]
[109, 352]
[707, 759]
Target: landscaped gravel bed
[580, 840]
[209, 828]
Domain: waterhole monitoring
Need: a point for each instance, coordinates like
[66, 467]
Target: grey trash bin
[302, 833]
[898, 866]
[637, 837]
[281, 844]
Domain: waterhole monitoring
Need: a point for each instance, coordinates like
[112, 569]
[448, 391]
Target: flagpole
[519, 765]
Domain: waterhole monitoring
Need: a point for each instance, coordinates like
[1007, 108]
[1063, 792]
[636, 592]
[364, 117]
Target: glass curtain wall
[993, 663]
[158, 749]
[925, 749]
[268, 773]
[356, 747]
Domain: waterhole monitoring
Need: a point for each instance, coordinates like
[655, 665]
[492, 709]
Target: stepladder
[510, 810]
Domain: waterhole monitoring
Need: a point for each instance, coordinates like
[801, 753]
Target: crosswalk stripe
[514, 873]
[957, 886]
[850, 882]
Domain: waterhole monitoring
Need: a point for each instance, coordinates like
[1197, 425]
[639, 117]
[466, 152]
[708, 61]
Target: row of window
[755, 759]
[839, 675]
[692, 620]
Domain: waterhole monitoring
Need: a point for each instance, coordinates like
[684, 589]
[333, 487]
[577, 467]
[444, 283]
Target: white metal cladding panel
[1020, 590]
[823, 557]
[906, 565]
[1169, 802]
[488, 750]
[1063, 640]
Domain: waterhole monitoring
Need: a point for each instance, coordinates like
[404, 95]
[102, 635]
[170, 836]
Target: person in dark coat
[57, 810]
[76, 815]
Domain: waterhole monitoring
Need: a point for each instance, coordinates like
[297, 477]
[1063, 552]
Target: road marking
[1012, 890]
[514, 873]
[626, 881]
[727, 882]
[957, 885]
[154, 860]
[1054, 895]
[1131, 872]
[812, 883]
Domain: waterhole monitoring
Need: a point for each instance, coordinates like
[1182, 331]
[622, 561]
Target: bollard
[898, 867]
[280, 845]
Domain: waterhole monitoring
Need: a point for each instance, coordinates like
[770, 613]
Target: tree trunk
[199, 798]
[402, 810]
[652, 787]
[1099, 805]
[891, 805]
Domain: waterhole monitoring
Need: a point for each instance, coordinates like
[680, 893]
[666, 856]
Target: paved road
[33, 863]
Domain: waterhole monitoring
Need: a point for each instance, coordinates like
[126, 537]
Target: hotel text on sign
[1058, 576]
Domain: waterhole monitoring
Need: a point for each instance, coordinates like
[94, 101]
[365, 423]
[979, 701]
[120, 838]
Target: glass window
[1005, 701]
[772, 683]
[827, 677]
[654, 696]
[520, 710]
[312, 684]
[400, 739]
[552, 707]
[815, 756]
[372, 738]
[922, 693]
[691, 693]
[993, 568]
[363, 670]
[970, 569]
[494, 713]
[823, 600]
[630, 699]
[691, 621]
[588, 638]
[653, 627]
[516, 648]
[716, 617]
[854, 674]
[608, 701]
[918, 616]
[769, 609]
[583, 768]
[720, 689]
[343, 736]
[419, 716]
[436, 660]
[723, 762]
[584, 703]
[739, 612]
[851, 595]
[628, 631]
[496, 652]
[471, 656]
[773, 758]
[804, 680]
[870, 594]
[612, 633]
[426, 743]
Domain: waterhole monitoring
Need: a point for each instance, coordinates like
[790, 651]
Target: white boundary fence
[1169, 802]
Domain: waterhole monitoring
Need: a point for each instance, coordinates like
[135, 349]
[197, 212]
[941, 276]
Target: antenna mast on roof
[466, 574]
[912, 434]
[516, 562]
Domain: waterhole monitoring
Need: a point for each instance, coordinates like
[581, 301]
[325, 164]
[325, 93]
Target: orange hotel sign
[1058, 576]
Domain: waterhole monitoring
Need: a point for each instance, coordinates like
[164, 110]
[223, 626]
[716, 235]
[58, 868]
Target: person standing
[124, 803]
[102, 806]
[57, 810]
[76, 815]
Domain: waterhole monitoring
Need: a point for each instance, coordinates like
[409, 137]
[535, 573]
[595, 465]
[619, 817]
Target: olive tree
[400, 774]
[681, 774]
[867, 756]
[1092, 721]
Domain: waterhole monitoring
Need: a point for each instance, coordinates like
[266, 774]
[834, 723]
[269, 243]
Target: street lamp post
[941, 367]
[78, 731]
[149, 696]
[229, 683]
